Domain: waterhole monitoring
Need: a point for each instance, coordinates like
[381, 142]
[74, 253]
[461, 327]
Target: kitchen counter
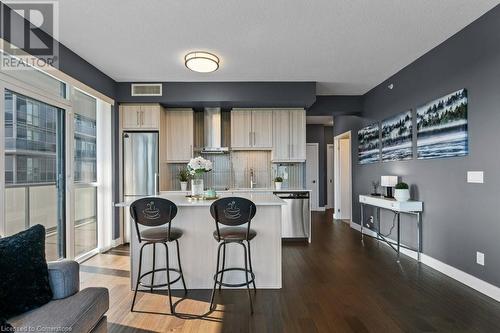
[180, 199]
[198, 248]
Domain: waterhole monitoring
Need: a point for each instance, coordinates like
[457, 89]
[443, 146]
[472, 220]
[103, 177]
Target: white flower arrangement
[199, 165]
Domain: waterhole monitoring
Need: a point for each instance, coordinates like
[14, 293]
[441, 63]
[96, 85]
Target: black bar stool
[233, 212]
[156, 214]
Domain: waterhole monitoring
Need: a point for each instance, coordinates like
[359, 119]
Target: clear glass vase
[197, 187]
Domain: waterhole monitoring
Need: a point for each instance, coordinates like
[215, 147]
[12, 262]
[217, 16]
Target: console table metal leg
[362, 221]
[419, 235]
[378, 223]
[399, 234]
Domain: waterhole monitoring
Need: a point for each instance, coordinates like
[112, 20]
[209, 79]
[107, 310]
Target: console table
[397, 207]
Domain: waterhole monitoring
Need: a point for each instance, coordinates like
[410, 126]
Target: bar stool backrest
[153, 212]
[233, 211]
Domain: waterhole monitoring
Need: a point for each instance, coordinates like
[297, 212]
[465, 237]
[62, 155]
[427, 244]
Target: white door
[329, 175]
[345, 178]
[312, 173]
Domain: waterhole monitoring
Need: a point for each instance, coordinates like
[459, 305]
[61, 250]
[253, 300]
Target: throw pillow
[24, 278]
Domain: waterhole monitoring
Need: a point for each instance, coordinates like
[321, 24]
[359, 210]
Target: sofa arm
[64, 278]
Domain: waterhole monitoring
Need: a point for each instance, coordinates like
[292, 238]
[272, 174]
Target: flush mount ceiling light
[202, 62]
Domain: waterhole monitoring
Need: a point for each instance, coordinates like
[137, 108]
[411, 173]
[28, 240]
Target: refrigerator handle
[156, 183]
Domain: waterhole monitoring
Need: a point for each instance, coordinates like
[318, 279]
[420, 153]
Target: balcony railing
[30, 204]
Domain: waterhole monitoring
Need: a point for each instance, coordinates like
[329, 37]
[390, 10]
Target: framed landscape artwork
[369, 144]
[397, 135]
[442, 127]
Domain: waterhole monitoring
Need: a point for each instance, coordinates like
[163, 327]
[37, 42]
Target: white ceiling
[347, 46]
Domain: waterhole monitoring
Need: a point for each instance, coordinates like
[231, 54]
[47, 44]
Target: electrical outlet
[480, 258]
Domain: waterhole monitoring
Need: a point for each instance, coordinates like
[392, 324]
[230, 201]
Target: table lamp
[388, 182]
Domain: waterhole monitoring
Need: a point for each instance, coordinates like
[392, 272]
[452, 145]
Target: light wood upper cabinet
[150, 116]
[297, 135]
[262, 129]
[140, 116]
[289, 135]
[179, 129]
[251, 129]
[241, 129]
[281, 135]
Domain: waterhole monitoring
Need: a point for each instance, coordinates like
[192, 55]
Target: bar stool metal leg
[180, 267]
[154, 268]
[215, 277]
[168, 278]
[246, 276]
[250, 262]
[138, 278]
[223, 264]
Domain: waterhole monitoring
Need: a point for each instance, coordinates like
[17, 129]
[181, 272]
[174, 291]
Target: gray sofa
[70, 310]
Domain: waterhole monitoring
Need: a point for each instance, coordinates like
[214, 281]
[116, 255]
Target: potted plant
[197, 167]
[375, 185]
[184, 178]
[402, 192]
[277, 183]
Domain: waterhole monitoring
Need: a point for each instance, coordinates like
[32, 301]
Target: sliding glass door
[85, 173]
[55, 162]
[35, 169]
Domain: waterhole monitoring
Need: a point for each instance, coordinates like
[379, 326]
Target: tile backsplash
[233, 171]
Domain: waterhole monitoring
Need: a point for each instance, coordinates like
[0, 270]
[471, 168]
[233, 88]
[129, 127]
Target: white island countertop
[180, 199]
[198, 248]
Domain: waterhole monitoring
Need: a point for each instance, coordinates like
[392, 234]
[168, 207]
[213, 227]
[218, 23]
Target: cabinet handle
[254, 141]
[137, 117]
[250, 138]
[142, 118]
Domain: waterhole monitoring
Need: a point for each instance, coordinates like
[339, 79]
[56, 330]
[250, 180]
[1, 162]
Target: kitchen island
[198, 248]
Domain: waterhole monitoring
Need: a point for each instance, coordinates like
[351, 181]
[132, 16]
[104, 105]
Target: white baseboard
[469, 280]
[320, 209]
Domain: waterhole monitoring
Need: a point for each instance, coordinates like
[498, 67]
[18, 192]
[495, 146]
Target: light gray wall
[459, 218]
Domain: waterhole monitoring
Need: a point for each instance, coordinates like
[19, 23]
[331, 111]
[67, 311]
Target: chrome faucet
[252, 182]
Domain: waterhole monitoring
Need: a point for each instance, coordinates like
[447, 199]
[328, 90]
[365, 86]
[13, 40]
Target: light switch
[475, 177]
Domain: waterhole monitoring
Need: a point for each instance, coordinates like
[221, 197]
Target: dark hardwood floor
[332, 285]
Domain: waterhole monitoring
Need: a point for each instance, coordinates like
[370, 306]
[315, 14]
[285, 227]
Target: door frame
[22, 88]
[336, 175]
[330, 172]
[316, 186]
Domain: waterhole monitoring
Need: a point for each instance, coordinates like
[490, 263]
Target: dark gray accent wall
[336, 106]
[322, 135]
[227, 94]
[459, 218]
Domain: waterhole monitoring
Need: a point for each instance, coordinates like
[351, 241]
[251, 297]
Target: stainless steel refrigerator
[140, 168]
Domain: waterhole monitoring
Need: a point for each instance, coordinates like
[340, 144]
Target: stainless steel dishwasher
[296, 215]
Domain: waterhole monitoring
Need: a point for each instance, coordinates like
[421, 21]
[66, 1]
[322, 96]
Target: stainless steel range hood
[212, 128]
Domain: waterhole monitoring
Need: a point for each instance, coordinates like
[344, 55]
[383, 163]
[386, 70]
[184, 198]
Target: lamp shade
[388, 181]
